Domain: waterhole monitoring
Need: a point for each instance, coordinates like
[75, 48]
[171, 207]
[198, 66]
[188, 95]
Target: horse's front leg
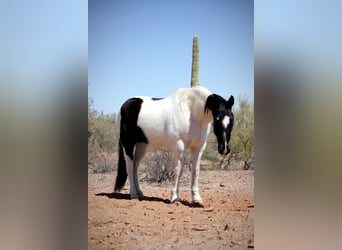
[196, 159]
[178, 170]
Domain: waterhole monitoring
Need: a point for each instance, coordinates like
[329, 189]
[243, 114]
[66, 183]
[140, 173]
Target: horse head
[223, 117]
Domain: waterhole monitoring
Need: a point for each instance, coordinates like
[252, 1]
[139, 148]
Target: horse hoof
[176, 199]
[196, 198]
[134, 196]
[198, 201]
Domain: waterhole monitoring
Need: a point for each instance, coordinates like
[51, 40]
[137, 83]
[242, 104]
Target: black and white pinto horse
[181, 121]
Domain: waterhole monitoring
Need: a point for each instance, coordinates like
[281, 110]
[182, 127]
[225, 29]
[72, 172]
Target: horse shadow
[120, 196]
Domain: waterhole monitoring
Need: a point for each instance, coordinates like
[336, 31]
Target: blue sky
[145, 48]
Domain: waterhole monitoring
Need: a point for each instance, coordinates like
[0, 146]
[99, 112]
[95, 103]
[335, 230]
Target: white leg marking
[178, 158]
[196, 158]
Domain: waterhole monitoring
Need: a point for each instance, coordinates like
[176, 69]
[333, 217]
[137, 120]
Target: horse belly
[158, 130]
[160, 136]
[162, 124]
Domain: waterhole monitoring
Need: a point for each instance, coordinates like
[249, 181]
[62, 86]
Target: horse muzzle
[223, 150]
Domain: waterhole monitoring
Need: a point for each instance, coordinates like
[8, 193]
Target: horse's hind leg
[129, 168]
[140, 152]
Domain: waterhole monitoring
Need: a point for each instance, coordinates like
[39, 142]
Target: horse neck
[205, 118]
[194, 99]
[200, 114]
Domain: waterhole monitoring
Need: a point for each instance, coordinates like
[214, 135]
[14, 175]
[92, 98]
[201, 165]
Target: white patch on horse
[225, 121]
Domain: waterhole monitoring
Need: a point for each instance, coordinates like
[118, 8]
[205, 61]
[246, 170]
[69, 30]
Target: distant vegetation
[103, 136]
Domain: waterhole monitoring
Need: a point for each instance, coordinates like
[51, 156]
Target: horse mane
[195, 99]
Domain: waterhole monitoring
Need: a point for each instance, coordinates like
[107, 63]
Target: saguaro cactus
[195, 62]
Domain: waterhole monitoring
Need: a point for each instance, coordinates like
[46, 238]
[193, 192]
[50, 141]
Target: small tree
[242, 140]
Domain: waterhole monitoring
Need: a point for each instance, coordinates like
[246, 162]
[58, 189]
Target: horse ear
[230, 101]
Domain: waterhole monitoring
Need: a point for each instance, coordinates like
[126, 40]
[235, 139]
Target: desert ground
[225, 219]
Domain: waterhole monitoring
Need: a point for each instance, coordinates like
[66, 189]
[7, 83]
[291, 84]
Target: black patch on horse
[130, 132]
[157, 99]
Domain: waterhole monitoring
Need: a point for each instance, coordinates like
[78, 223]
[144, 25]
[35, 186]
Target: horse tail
[122, 172]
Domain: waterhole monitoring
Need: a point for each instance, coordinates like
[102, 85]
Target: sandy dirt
[224, 221]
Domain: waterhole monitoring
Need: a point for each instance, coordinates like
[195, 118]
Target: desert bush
[211, 153]
[102, 140]
[158, 166]
[101, 162]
